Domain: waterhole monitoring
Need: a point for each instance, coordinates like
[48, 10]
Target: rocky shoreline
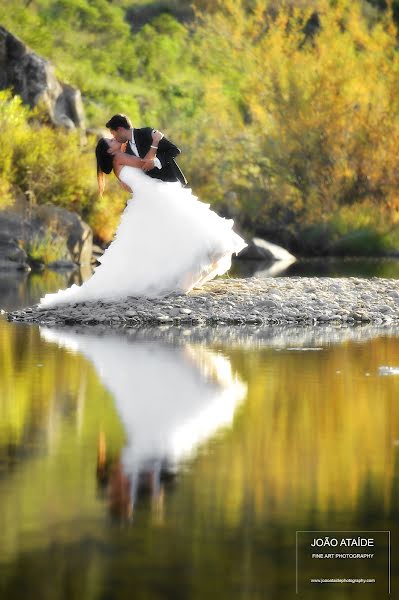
[256, 302]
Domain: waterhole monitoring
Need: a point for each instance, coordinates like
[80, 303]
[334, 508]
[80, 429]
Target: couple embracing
[167, 240]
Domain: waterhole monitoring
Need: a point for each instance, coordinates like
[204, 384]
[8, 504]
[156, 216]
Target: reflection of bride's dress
[170, 398]
[167, 241]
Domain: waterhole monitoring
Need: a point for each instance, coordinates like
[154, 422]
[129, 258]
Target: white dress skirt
[167, 242]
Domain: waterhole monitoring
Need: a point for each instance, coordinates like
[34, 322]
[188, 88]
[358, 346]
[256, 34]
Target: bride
[167, 240]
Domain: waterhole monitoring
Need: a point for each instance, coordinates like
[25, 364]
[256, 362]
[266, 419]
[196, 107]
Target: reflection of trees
[317, 437]
[25, 289]
[47, 430]
[310, 447]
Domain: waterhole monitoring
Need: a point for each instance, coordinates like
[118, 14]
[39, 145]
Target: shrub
[46, 248]
[299, 123]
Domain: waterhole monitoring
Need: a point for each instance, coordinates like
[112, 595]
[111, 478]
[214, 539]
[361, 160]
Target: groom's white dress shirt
[157, 162]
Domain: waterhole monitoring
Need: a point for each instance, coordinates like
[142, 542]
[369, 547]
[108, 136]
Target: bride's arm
[124, 185]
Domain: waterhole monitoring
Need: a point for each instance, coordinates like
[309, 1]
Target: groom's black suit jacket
[166, 153]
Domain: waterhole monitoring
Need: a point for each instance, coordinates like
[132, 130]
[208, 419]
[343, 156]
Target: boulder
[68, 225]
[12, 255]
[97, 253]
[259, 249]
[33, 79]
[19, 226]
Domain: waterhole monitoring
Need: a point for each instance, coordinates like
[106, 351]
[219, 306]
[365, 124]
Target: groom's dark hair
[119, 121]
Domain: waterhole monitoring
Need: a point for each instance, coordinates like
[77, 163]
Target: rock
[267, 304]
[97, 250]
[33, 79]
[385, 309]
[230, 305]
[259, 249]
[12, 256]
[20, 225]
[67, 224]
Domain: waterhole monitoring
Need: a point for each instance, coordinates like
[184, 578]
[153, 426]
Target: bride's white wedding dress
[167, 241]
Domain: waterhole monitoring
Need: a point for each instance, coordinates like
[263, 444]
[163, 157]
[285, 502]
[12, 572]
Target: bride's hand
[148, 164]
[157, 136]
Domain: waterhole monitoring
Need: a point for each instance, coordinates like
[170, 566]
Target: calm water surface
[181, 464]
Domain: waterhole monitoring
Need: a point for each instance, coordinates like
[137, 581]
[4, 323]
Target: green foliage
[49, 165]
[46, 248]
[319, 134]
[12, 117]
[296, 125]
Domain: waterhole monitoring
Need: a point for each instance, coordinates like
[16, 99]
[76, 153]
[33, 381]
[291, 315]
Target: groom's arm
[151, 160]
[167, 151]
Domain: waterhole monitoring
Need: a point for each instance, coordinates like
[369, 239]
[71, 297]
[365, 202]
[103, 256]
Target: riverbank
[253, 301]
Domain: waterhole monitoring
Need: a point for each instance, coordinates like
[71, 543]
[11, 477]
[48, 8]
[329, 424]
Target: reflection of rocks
[259, 268]
[292, 337]
[274, 269]
[12, 287]
[32, 77]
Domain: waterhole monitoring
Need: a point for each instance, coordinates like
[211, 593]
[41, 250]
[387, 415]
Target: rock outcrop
[33, 79]
[39, 224]
[67, 225]
[259, 249]
[12, 255]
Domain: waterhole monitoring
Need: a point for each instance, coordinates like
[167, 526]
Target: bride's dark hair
[104, 163]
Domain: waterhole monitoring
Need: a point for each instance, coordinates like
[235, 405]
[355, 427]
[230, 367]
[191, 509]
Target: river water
[182, 464]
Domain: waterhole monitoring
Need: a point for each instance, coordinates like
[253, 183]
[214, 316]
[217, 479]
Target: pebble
[307, 301]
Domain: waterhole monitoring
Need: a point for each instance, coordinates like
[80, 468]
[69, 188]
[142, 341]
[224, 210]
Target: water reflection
[170, 399]
[313, 446]
[326, 266]
[20, 289]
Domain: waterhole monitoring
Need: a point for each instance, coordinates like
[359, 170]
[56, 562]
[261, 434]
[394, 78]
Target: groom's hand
[148, 164]
[156, 136]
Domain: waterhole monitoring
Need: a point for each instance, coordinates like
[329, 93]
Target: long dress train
[167, 242]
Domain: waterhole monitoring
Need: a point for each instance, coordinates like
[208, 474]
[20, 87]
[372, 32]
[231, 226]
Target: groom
[159, 153]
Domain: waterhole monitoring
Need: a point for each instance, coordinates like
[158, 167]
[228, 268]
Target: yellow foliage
[297, 121]
[321, 109]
